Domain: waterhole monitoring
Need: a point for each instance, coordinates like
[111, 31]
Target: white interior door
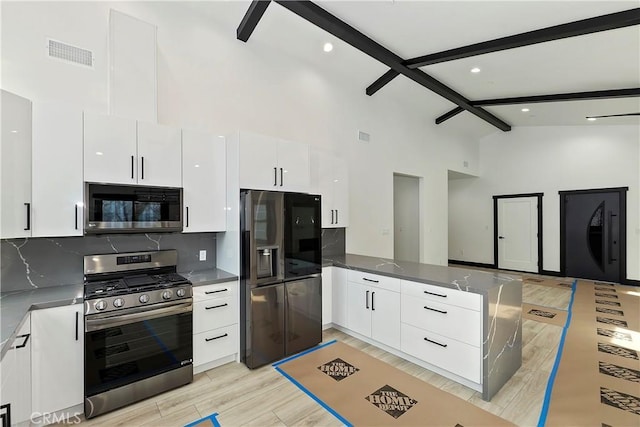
[518, 234]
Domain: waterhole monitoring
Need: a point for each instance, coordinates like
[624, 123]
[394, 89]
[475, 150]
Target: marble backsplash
[333, 242]
[43, 262]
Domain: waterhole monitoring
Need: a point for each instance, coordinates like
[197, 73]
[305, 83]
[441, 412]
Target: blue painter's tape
[547, 395]
[295, 356]
[211, 417]
[314, 397]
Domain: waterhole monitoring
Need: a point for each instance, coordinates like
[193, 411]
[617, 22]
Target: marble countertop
[15, 305]
[463, 279]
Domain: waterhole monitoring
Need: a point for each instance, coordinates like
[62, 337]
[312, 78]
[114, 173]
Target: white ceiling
[600, 61]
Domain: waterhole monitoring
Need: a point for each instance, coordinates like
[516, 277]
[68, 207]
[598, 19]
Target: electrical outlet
[203, 255]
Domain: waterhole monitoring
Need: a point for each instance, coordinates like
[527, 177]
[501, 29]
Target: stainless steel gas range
[138, 328]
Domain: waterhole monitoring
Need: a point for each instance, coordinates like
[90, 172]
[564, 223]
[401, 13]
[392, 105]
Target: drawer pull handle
[370, 280]
[24, 343]
[216, 306]
[222, 336]
[435, 309]
[435, 342]
[215, 292]
[433, 293]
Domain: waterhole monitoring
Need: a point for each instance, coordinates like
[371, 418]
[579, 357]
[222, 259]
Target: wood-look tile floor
[263, 397]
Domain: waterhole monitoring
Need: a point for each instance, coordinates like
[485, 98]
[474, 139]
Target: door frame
[622, 191]
[495, 225]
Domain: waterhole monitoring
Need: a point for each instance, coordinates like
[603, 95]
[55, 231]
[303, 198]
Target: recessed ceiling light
[525, 110]
[328, 47]
[591, 119]
[475, 70]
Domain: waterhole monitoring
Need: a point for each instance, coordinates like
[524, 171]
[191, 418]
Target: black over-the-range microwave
[111, 208]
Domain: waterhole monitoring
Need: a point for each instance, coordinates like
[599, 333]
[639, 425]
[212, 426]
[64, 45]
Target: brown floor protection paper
[543, 314]
[368, 392]
[598, 378]
[554, 283]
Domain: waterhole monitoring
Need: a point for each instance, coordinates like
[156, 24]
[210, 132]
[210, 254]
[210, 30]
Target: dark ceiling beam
[557, 97]
[611, 21]
[382, 81]
[251, 19]
[323, 19]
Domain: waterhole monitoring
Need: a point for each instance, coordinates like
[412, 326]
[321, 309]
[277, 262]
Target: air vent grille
[363, 136]
[70, 53]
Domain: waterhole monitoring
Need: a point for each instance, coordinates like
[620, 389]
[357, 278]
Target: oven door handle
[99, 322]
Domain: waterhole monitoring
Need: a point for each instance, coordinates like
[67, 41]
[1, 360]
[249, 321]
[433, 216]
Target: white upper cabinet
[110, 150]
[204, 181]
[330, 178]
[57, 208]
[159, 155]
[15, 156]
[268, 163]
[123, 151]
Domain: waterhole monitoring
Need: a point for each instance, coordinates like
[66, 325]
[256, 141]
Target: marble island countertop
[462, 279]
[15, 305]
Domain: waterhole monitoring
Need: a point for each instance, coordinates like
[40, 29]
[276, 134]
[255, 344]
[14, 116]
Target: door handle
[336, 216]
[76, 207]
[281, 178]
[610, 241]
[367, 300]
[187, 217]
[77, 322]
[373, 307]
[132, 166]
[275, 176]
[28, 227]
[142, 172]
[331, 216]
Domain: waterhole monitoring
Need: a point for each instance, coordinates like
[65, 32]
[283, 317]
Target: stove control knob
[144, 298]
[118, 302]
[181, 292]
[100, 305]
[166, 295]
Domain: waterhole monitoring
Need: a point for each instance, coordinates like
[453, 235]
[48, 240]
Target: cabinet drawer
[215, 344]
[378, 281]
[444, 319]
[217, 290]
[443, 295]
[456, 357]
[214, 313]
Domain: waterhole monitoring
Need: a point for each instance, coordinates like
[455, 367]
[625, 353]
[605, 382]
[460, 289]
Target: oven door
[124, 348]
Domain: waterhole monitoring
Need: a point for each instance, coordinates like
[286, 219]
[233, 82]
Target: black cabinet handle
[77, 322]
[6, 416]
[435, 342]
[133, 161]
[332, 216]
[500, 237]
[435, 309]
[187, 217]
[76, 207]
[367, 299]
[28, 227]
[370, 280]
[216, 306]
[373, 307]
[24, 343]
[336, 216]
[142, 172]
[281, 178]
[275, 176]
[216, 338]
[215, 292]
[438, 295]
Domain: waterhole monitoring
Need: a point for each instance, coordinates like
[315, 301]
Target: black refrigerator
[280, 280]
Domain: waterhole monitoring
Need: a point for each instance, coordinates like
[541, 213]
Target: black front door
[593, 232]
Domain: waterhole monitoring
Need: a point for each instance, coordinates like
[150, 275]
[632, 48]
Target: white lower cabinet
[327, 280]
[57, 358]
[215, 324]
[15, 377]
[339, 297]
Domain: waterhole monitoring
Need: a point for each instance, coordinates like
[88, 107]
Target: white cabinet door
[322, 183]
[359, 308]
[159, 155]
[259, 162]
[339, 297]
[15, 156]
[385, 317]
[203, 181]
[327, 273]
[340, 192]
[109, 149]
[15, 374]
[293, 166]
[57, 208]
[57, 358]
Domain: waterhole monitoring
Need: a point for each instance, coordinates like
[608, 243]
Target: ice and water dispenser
[267, 261]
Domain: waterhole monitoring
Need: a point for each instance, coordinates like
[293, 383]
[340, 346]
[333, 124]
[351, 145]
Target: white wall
[208, 79]
[548, 160]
